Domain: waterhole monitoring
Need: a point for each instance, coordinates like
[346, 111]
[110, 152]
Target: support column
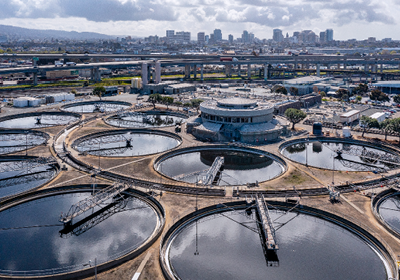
[344, 66]
[318, 70]
[240, 68]
[145, 75]
[195, 71]
[249, 71]
[366, 67]
[381, 68]
[97, 75]
[201, 72]
[92, 74]
[158, 72]
[265, 72]
[187, 71]
[228, 68]
[35, 80]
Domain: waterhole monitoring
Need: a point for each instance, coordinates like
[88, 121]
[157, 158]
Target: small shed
[350, 116]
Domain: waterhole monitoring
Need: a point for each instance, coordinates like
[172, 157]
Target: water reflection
[127, 144]
[309, 249]
[38, 121]
[390, 212]
[35, 243]
[96, 107]
[341, 156]
[239, 167]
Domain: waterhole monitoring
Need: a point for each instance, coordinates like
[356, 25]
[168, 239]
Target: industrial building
[236, 119]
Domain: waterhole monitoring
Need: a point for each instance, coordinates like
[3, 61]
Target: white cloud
[124, 17]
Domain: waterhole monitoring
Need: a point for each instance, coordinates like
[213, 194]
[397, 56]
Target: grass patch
[295, 178]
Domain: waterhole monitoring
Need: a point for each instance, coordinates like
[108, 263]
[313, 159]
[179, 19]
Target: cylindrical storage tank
[20, 102]
[34, 102]
[69, 96]
[317, 128]
[346, 132]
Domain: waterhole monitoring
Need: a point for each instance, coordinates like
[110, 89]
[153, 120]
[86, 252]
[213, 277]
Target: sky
[358, 19]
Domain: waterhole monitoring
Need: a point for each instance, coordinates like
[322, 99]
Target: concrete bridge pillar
[344, 65]
[381, 68]
[145, 74]
[187, 71]
[195, 71]
[318, 70]
[158, 73]
[92, 74]
[201, 72]
[240, 68]
[366, 67]
[228, 68]
[97, 75]
[249, 71]
[265, 72]
[35, 79]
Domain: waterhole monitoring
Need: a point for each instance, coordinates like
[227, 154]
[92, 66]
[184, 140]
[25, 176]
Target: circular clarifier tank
[126, 143]
[19, 174]
[12, 141]
[223, 242]
[146, 119]
[38, 120]
[100, 106]
[387, 208]
[36, 243]
[343, 155]
[241, 165]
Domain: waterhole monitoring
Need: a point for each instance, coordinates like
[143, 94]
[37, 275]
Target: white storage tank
[69, 96]
[58, 97]
[346, 132]
[20, 102]
[34, 102]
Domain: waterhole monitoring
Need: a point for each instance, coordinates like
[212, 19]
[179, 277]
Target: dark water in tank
[97, 107]
[32, 122]
[239, 167]
[390, 212]
[145, 120]
[14, 142]
[117, 145]
[34, 242]
[13, 182]
[309, 249]
[323, 155]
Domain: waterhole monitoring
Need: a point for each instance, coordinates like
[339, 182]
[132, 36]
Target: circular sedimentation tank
[100, 106]
[386, 208]
[147, 119]
[23, 173]
[38, 120]
[36, 244]
[12, 141]
[127, 143]
[342, 155]
[223, 242]
[241, 165]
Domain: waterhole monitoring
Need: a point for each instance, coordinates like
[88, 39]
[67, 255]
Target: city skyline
[358, 20]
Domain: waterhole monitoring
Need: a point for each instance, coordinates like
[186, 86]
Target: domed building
[236, 119]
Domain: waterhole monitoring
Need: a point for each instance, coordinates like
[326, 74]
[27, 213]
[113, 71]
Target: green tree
[154, 98]
[322, 93]
[360, 89]
[167, 100]
[368, 122]
[295, 116]
[99, 91]
[376, 94]
[294, 91]
[195, 103]
[396, 98]
[358, 98]
[386, 126]
[340, 92]
[345, 97]
[281, 90]
[396, 126]
[73, 91]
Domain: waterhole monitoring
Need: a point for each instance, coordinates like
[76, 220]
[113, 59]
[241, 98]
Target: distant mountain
[24, 33]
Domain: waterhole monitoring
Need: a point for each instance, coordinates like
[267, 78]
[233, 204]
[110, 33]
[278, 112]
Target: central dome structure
[236, 119]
